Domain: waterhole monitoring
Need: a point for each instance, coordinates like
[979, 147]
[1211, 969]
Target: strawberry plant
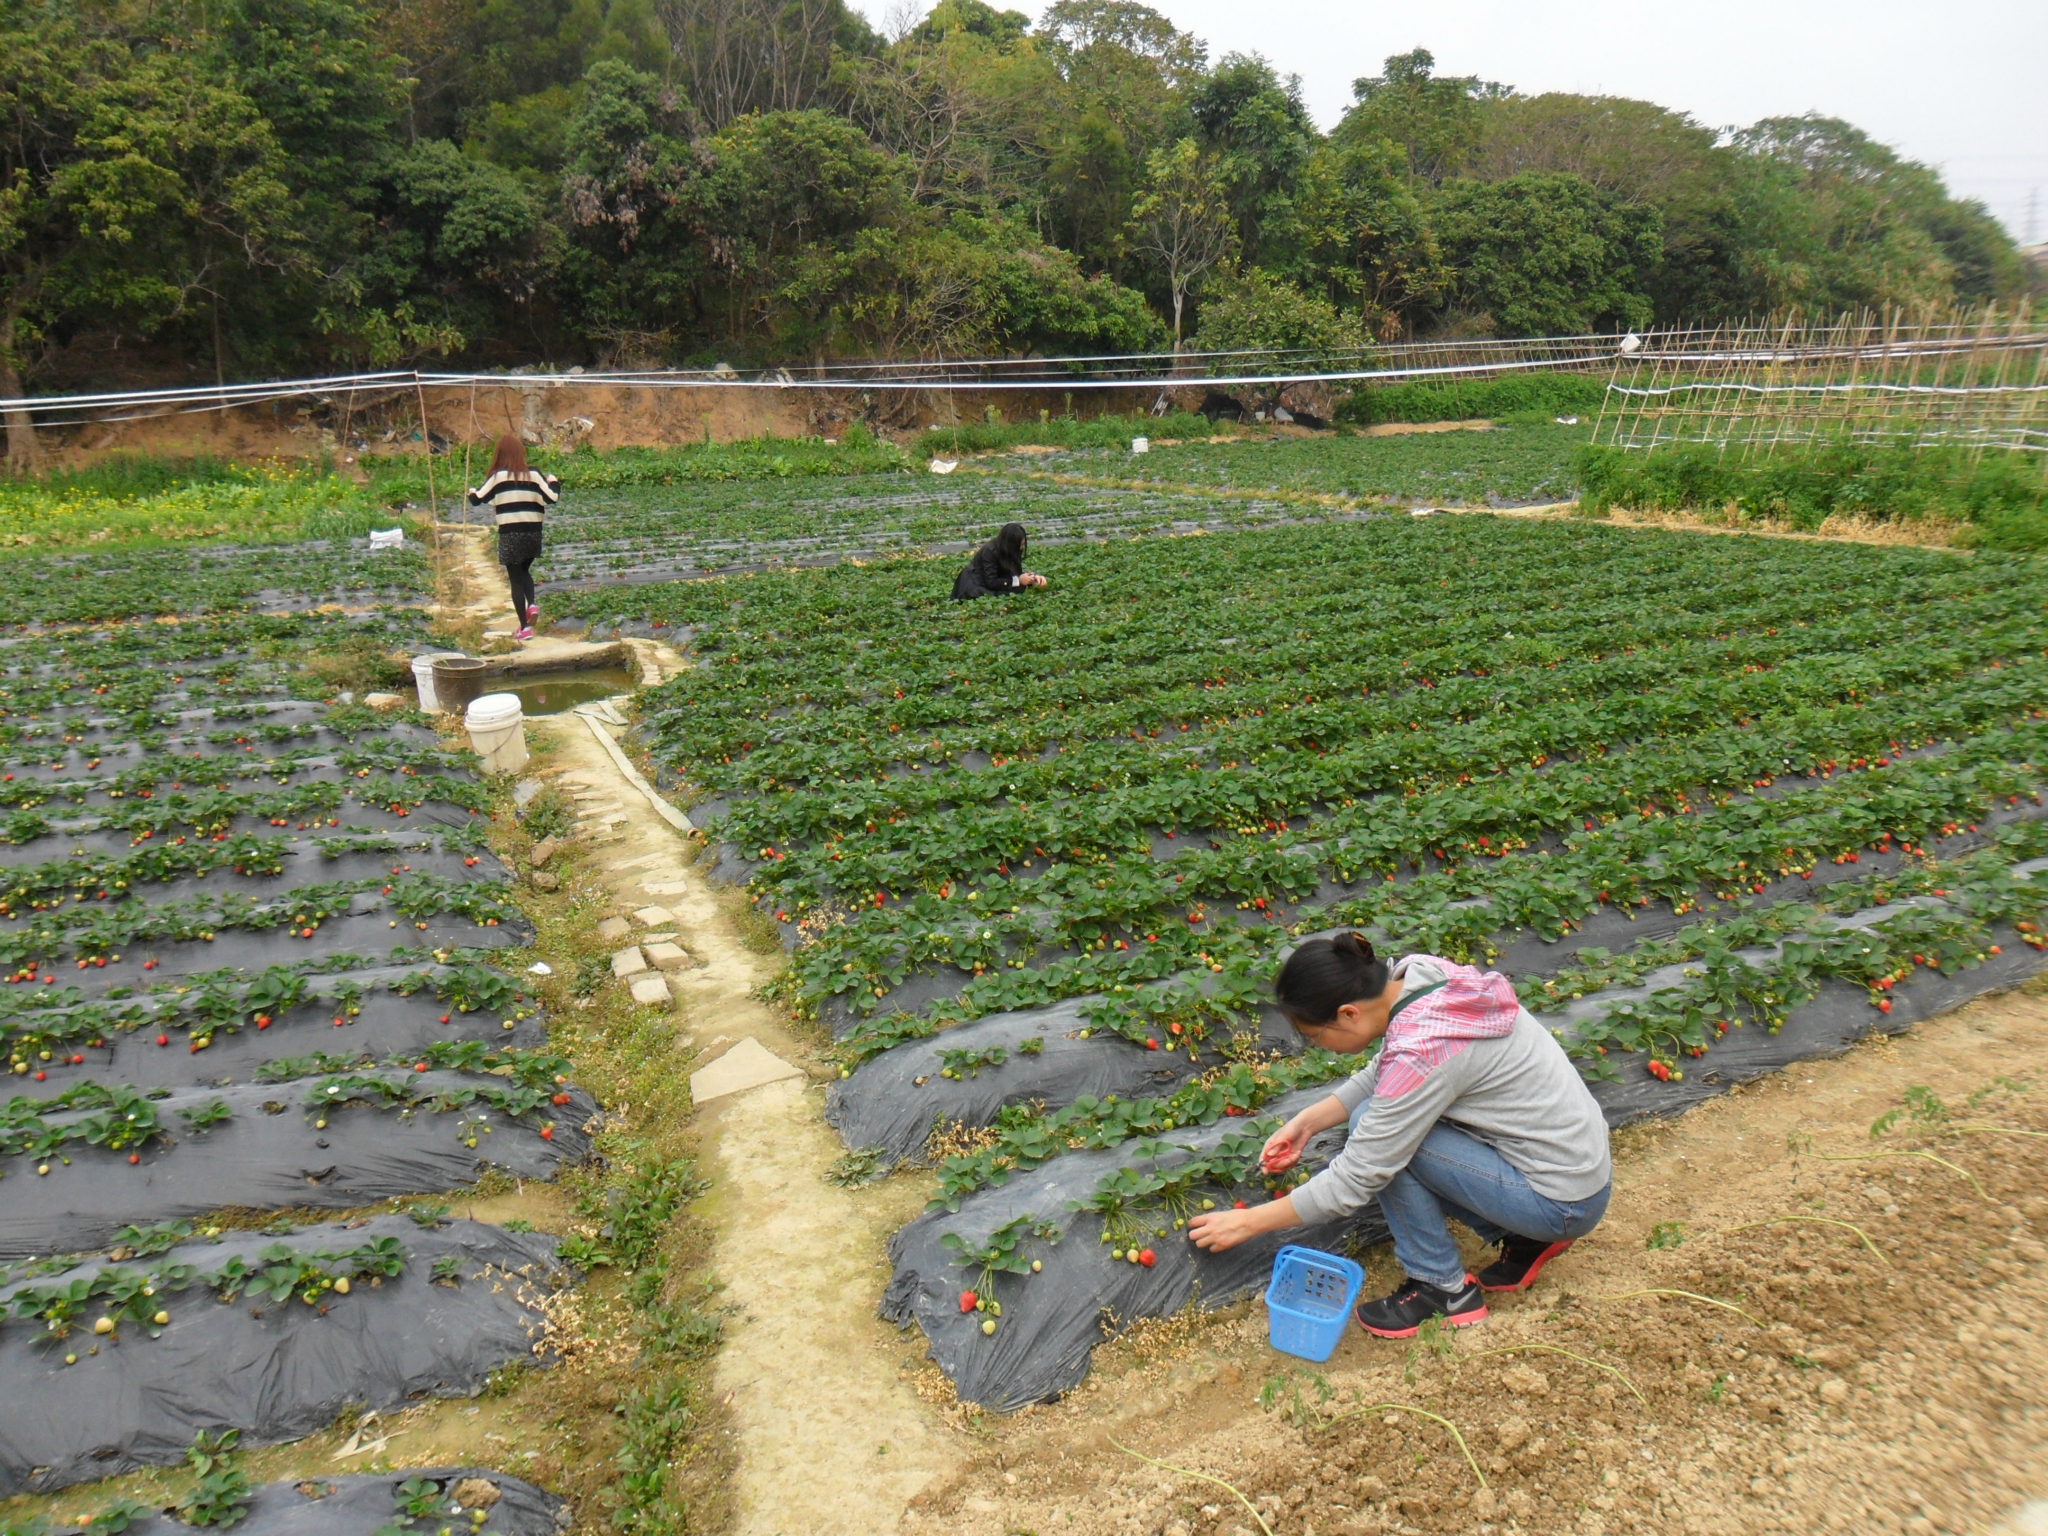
[1004, 1252]
[958, 1064]
[219, 1496]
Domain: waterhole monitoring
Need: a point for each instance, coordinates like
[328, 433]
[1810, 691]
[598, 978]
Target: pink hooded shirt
[1471, 1005]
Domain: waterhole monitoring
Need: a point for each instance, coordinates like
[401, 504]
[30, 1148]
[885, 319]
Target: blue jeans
[1455, 1174]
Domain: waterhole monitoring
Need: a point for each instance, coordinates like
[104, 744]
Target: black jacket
[987, 574]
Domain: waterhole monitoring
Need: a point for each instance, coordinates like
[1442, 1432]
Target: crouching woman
[1471, 1110]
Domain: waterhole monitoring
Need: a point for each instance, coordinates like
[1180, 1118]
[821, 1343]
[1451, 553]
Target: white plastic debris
[944, 466]
[540, 968]
[1141, 445]
[387, 538]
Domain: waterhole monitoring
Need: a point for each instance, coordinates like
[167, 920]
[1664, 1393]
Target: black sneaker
[1521, 1260]
[1414, 1302]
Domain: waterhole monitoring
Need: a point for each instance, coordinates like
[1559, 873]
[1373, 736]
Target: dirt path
[1904, 1389]
[833, 1439]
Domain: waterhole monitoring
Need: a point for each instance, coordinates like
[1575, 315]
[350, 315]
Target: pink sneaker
[523, 634]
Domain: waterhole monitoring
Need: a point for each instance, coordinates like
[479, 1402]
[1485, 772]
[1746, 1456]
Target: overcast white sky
[1962, 85]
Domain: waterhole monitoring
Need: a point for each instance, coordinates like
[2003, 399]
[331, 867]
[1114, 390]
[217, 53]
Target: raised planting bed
[247, 936]
[1059, 1257]
[275, 1333]
[424, 1500]
[79, 1168]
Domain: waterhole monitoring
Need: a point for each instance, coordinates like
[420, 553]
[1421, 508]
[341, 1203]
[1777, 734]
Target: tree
[1548, 254]
[1646, 154]
[771, 187]
[1122, 72]
[1855, 225]
[633, 265]
[131, 189]
[1254, 310]
[1358, 231]
[745, 56]
[1182, 220]
[957, 99]
[1434, 118]
[1254, 125]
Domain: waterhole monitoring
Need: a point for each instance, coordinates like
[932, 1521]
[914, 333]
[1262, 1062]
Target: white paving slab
[650, 989]
[749, 1064]
[667, 957]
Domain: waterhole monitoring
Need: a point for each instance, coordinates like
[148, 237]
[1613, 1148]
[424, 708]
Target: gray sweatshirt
[1518, 1092]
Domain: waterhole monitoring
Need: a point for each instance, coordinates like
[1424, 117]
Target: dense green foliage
[1509, 395]
[2002, 498]
[154, 501]
[273, 186]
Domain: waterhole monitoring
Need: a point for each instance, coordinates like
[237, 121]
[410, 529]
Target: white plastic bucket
[497, 732]
[423, 679]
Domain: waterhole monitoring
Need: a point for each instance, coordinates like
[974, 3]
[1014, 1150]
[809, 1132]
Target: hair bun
[1357, 943]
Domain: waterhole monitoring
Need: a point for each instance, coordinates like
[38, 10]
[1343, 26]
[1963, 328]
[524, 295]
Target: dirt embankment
[560, 414]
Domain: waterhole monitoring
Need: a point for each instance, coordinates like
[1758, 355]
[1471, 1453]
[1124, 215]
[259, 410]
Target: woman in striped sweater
[519, 496]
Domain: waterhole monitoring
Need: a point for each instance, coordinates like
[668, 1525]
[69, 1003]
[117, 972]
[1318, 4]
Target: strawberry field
[1713, 804]
[1518, 463]
[622, 526]
[660, 533]
[251, 938]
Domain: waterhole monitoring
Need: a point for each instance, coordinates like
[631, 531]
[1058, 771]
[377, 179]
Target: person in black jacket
[998, 566]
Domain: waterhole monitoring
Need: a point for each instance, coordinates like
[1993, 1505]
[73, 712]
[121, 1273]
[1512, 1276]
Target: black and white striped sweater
[518, 498]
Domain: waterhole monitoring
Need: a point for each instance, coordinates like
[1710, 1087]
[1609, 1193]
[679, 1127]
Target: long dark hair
[510, 457]
[1008, 545]
[1322, 975]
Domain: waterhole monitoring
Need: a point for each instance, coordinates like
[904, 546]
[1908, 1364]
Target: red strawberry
[547, 1133]
[134, 1157]
[419, 1066]
[1238, 1206]
[968, 1301]
[1151, 1045]
[1885, 1006]
[163, 1039]
[1147, 1257]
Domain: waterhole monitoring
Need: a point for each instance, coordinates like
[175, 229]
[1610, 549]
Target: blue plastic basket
[1308, 1301]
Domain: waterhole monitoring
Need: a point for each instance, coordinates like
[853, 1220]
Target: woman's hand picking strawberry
[1284, 1147]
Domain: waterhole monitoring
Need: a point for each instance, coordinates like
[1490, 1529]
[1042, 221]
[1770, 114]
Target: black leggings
[521, 572]
[518, 547]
